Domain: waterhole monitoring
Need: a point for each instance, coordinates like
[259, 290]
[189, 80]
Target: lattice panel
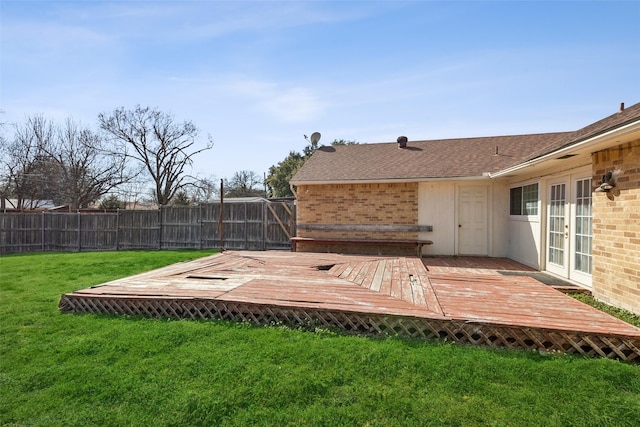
[624, 348]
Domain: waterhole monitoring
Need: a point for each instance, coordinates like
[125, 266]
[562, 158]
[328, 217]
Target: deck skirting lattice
[459, 331]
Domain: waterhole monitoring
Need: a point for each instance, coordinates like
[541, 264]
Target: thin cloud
[264, 73]
[178, 21]
[286, 104]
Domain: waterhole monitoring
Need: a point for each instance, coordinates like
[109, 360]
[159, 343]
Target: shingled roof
[621, 118]
[443, 158]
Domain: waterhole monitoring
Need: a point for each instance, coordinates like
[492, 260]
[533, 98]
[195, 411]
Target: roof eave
[392, 180]
[592, 144]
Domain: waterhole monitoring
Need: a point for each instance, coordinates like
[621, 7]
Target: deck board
[378, 275]
[459, 290]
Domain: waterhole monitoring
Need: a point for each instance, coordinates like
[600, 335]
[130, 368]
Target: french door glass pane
[583, 226]
[556, 224]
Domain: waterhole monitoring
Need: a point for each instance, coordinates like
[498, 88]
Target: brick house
[536, 199]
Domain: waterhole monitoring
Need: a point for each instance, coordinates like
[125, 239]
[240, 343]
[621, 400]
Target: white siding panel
[524, 241]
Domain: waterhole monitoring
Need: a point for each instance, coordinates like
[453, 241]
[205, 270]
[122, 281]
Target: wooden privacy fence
[249, 225]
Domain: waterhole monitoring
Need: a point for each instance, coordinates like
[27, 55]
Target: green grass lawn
[92, 370]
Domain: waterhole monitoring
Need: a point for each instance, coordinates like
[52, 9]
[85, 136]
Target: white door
[581, 232]
[558, 230]
[569, 229]
[472, 221]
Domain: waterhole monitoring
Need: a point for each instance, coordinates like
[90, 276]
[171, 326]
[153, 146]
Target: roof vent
[402, 142]
[621, 107]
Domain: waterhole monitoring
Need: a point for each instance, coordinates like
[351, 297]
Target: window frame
[526, 203]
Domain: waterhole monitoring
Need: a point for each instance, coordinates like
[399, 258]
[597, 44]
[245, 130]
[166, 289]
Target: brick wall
[357, 204]
[616, 228]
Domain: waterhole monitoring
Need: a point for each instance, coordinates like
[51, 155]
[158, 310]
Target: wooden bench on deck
[337, 241]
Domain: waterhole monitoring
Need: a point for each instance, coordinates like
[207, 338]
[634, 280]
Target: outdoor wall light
[607, 183]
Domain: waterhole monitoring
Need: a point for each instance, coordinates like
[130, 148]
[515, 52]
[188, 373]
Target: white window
[524, 200]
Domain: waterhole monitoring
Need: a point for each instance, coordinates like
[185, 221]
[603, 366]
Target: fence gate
[280, 224]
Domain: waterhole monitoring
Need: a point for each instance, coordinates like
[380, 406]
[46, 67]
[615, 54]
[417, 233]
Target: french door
[580, 266]
[569, 228]
[558, 230]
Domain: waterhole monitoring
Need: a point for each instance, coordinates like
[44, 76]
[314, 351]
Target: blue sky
[258, 75]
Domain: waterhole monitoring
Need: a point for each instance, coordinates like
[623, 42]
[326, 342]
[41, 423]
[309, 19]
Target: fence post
[42, 234]
[160, 227]
[221, 218]
[246, 228]
[265, 224]
[117, 229]
[199, 225]
[79, 231]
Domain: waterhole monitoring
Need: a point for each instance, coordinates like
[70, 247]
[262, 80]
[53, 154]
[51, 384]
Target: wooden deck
[461, 299]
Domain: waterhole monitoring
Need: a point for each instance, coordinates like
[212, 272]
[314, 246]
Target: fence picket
[249, 225]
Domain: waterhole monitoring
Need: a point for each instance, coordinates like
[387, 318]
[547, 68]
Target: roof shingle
[444, 158]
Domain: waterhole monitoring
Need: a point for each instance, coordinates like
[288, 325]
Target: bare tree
[133, 193]
[67, 164]
[163, 146]
[25, 164]
[244, 184]
[5, 183]
[205, 190]
[83, 167]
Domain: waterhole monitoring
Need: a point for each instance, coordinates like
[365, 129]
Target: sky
[256, 76]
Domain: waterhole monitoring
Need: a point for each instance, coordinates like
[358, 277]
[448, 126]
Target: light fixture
[607, 183]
